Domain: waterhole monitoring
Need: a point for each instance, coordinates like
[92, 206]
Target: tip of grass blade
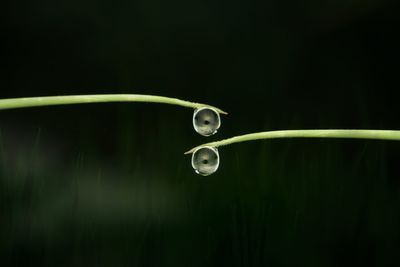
[191, 150]
[220, 111]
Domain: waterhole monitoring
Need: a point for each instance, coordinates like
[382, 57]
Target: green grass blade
[14, 103]
[331, 133]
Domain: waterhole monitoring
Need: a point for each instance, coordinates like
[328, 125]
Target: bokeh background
[108, 184]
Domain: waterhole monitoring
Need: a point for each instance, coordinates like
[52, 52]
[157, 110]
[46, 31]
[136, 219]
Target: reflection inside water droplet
[206, 121]
[205, 160]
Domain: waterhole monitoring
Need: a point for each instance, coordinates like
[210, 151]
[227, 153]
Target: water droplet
[205, 160]
[206, 121]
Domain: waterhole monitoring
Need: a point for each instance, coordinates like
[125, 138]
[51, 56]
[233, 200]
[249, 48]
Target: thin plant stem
[27, 102]
[331, 133]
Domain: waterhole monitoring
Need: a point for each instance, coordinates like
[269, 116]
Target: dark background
[108, 184]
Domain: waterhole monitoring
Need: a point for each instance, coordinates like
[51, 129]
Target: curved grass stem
[331, 133]
[26, 102]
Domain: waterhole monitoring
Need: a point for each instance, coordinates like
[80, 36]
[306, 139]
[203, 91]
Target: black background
[108, 185]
